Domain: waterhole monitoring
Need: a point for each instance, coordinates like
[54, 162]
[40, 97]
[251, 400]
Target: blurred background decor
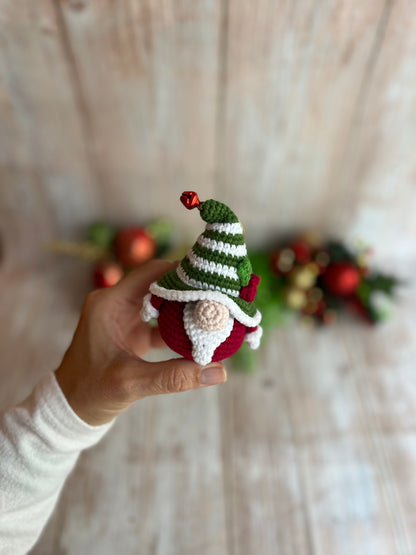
[306, 275]
[299, 115]
[319, 278]
[116, 251]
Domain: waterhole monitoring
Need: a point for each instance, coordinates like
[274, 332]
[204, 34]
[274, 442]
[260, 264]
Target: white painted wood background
[298, 114]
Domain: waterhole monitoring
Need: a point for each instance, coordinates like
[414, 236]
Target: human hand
[102, 372]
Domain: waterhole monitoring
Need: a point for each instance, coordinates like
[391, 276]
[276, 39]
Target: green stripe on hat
[209, 278]
[213, 212]
[229, 238]
[219, 257]
[171, 281]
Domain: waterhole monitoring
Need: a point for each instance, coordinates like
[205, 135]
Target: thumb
[175, 375]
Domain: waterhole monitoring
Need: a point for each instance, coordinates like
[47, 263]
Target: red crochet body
[172, 329]
[173, 333]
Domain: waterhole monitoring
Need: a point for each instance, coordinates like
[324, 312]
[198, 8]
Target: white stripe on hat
[220, 246]
[232, 229]
[199, 285]
[212, 267]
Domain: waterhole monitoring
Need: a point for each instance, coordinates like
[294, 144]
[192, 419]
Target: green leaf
[338, 252]
[102, 235]
[382, 282]
[161, 230]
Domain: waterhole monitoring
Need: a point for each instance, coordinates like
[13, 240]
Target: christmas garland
[317, 280]
[116, 251]
[305, 275]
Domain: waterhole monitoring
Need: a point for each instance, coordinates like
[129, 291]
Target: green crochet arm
[244, 271]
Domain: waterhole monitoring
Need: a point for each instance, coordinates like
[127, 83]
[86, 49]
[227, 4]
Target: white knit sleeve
[40, 441]
[148, 311]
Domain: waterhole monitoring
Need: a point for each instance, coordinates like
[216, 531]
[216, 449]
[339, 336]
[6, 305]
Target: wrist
[81, 399]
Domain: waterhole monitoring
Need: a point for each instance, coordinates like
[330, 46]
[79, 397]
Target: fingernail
[213, 375]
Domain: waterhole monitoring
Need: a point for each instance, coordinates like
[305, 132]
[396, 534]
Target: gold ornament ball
[304, 277]
[295, 298]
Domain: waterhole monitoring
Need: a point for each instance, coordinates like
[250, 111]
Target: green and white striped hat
[216, 267]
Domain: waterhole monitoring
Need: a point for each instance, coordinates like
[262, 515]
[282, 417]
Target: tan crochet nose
[211, 315]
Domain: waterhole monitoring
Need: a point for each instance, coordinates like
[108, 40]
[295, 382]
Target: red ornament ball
[107, 273]
[134, 246]
[341, 279]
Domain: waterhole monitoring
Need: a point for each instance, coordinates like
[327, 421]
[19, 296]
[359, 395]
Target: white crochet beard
[203, 342]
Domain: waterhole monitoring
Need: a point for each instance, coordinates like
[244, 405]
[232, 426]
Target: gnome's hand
[150, 308]
[253, 336]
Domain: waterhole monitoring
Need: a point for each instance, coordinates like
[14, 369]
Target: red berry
[107, 273]
[302, 251]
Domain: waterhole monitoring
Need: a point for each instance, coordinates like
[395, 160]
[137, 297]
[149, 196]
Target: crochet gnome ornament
[205, 307]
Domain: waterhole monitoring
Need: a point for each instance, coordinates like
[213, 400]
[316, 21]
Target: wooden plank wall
[298, 114]
[103, 117]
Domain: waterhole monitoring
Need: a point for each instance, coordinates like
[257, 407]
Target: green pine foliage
[270, 298]
[101, 235]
